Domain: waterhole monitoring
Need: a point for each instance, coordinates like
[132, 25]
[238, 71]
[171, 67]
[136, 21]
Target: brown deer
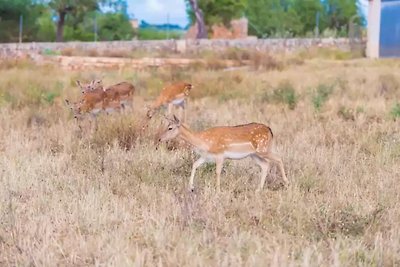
[173, 95]
[228, 142]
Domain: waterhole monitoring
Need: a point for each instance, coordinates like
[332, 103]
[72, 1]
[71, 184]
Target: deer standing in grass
[121, 92]
[229, 142]
[173, 95]
[95, 99]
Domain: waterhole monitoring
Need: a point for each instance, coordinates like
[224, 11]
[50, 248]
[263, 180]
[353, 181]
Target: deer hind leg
[169, 110]
[275, 158]
[182, 114]
[264, 165]
[184, 106]
[196, 164]
[219, 164]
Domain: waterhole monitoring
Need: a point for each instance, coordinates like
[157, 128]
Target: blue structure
[384, 28]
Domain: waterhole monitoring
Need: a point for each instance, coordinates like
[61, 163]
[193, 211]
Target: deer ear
[177, 120]
[68, 103]
[79, 83]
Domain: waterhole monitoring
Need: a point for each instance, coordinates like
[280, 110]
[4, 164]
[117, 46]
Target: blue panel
[389, 39]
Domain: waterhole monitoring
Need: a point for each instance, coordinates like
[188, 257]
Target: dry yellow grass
[112, 197]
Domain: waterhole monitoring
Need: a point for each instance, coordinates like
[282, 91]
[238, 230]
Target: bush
[286, 94]
[395, 112]
[321, 95]
[154, 34]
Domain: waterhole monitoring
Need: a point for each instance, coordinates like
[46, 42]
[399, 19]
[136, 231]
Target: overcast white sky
[156, 11]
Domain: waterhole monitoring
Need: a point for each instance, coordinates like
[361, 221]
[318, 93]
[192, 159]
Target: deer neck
[191, 137]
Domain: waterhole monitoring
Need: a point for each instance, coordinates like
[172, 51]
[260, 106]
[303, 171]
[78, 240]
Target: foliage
[271, 18]
[395, 111]
[285, 93]
[10, 12]
[154, 34]
[298, 17]
[114, 26]
[46, 27]
[74, 8]
[219, 11]
[338, 13]
[321, 95]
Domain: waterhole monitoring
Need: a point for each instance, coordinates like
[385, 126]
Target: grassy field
[112, 197]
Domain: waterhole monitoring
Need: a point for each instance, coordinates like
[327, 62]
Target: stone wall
[174, 46]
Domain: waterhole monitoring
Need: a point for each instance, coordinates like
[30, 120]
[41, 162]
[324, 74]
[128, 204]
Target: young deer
[85, 87]
[173, 95]
[121, 92]
[229, 142]
[95, 99]
[87, 107]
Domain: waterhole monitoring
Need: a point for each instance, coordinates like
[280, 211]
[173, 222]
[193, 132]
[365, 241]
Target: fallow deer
[228, 142]
[85, 107]
[89, 86]
[173, 95]
[121, 92]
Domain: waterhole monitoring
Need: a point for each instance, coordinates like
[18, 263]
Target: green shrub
[154, 34]
[321, 95]
[285, 93]
[395, 111]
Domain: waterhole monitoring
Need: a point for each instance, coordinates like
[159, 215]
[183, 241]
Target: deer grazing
[173, 95]
[95, 98]
[121, 92]
[229, 142]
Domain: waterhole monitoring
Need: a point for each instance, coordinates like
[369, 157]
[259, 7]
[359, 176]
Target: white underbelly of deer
[239, 150]
[178, 102]
[236, 154]
[95, 111]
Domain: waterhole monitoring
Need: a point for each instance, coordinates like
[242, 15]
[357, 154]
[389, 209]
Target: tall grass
[114, 196]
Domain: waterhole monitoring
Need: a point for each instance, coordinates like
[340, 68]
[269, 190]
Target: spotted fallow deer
[229, 142]
[121, 92]
[94, 84]
[173, 95]
[94, 99]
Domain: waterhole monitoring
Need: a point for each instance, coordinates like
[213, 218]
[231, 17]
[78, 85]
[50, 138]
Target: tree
[272, 17]
[337, 13]
[10, 12]
[217, 11]
[46, 28]
[115, 26]
[64, 7]
[307, 12]
[198, 14]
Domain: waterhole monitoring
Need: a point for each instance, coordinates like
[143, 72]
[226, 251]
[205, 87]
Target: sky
[157, 11]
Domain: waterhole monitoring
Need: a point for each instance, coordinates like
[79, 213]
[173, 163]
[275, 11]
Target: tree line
[64, 20]
[277, 18]
[105, 20]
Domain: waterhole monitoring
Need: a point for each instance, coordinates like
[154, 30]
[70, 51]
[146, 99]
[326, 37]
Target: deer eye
[169, 128]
